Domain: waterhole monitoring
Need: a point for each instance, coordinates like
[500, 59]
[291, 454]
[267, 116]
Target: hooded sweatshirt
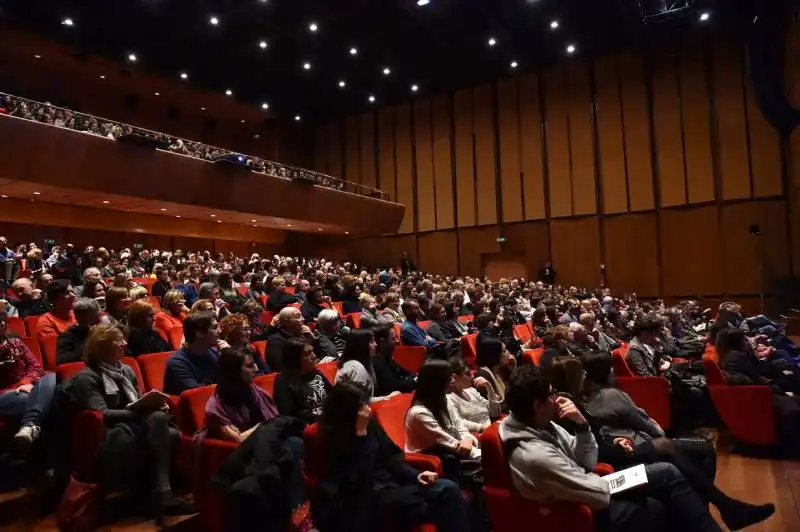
[548, 464]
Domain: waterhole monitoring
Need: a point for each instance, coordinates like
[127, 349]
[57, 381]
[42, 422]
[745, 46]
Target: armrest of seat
[425, 462]
[747, 411]
[88, 432]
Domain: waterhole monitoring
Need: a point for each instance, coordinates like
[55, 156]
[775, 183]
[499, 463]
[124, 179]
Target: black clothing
[160, 289]
[279, 300]
[145, 342]
[70, 345]
[390, 376]
[305, 400]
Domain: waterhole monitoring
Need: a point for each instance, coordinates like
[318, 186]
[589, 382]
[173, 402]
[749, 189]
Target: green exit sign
[137, 246]
[501, 240]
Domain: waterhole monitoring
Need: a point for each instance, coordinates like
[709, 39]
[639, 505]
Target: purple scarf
[240, 417]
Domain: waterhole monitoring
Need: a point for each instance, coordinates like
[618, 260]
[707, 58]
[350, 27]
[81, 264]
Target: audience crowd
[541, 376]
[61, 117]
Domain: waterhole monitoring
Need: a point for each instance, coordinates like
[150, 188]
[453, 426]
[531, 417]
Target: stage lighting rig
[653, 11]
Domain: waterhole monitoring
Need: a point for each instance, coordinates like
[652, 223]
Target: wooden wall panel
[636, 121]
[465, 163]
[530, 119]
[734, 161]
[696, 126]
[751, 263]
[765, 150]
[632, 268]
[386, 167]
[485, 169]
[669, 139]
[509, 133]
[557, 131]
[334, 139]
[366, 124]
[402, 147]
[611, 137]
[443, 163]
[352, 156]
[321, 149]
[581, 137]
[438, 252]
[532, 240]
[690, 245]
[423, 143]
[474, 242]
[575, 245]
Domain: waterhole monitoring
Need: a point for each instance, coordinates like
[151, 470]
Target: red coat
[18, 365]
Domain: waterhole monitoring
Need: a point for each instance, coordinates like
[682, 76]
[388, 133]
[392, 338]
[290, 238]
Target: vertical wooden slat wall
[681, 147]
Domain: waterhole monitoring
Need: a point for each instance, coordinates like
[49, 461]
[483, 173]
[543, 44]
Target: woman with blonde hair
[110, 387]
[173, 310]
[142, 337]
[138, 292]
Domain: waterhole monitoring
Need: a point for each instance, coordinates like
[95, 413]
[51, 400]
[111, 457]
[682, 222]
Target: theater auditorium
[400, 265]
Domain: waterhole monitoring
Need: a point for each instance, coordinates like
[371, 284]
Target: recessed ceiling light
[347, 232]
[162, 210]
[554, 25]
[492, 41]
[219, 221]
[36, 193]
[319, 229]
[414, 88]
[202, 108]
[423, 2]
[37, 56]
[3, 196]
[106, 202]
[213, 21]
[102, 76]
[387, 71]
[288, 225]
[132, 58]
[184, 76]
[263, 45]
[306, 66]
[252, 221]
[156, 94]
[265, 106]
[67, 22]
[297, 118]
[353, 51]
[254, 225]
[243, 121]
[571, 48]
[704, 16]
[228, 92]
[514, 64]
[371, 98]
[177, 216]
[342, 83]
[313, 28]
[213, 215]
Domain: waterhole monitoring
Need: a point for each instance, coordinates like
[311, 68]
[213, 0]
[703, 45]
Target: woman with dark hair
[541, 323]
[627, 436]
[495, 365]
[556, 344]
[436, 329]
[238, 406]
[365, 478]
[432, 424]
[475, 410]
[300, 389]
[355, 364]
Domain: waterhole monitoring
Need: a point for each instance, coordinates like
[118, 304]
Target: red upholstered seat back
[391, 414]
[153, 367]
[192, 408]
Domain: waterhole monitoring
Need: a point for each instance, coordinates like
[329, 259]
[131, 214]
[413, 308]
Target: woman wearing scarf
[109, 386]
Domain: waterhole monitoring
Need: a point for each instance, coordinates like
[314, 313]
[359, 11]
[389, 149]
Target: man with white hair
[330, 340]
[290, 325]
[90, 275]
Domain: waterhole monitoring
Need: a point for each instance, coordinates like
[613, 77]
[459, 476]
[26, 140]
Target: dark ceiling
[439, 46]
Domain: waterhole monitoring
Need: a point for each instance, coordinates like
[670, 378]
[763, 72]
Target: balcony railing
[111, 129]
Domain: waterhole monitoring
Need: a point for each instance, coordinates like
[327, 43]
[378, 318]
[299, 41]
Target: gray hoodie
[550, 465]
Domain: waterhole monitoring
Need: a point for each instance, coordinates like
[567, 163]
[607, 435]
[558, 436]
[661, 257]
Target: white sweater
[475, 410]
[423, 431]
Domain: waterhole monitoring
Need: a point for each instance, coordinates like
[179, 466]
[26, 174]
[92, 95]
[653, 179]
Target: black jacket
[160, 289]
[145, 342]
[275, 343]
[70, 345]
[278, 300]
[390, 376]
[303, 402]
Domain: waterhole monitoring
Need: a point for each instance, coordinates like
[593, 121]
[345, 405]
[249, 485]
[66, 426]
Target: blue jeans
[31, 407]
[446, 506]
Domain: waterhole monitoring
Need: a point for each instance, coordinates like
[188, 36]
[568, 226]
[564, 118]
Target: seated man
[194, 364]
[410, 332]
[548, 465]
[70, 342]
[163, 283]
[330, 341]
[312, 306]
[90, 276]
[290, 325]
[279, 298]
[29, 301]
[60, 316]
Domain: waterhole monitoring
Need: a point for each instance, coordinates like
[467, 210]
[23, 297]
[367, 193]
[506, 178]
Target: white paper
[626, 479]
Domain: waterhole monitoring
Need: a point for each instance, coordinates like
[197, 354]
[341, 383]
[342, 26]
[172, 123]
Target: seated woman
[495, 365]
[369, 312]
[355, 364]
[234, 331]
[110, 387]
[556, 344]
[117, 303]
[436, 329]
[26, 391]
[238, 406]
[364, 479]
[476, 411]
[392, 312]
[300, 389]
[138, 292]
[142, 338]
[433, 425]
[540, 322]
[627, 436]
[173, 311]
[252, 310]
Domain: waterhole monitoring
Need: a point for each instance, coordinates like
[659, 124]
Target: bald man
[290, 325]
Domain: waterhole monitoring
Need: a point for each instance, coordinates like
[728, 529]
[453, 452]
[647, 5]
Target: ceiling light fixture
[571, 49]
[263, 45]
[288, 225]
[265, 106]
[492, 41]
[67, 22]
[421, 3]
[106, 202]
[554, 25]
[219, 221]
[163, 210]
[213, 215]
[306, 66]
[213, 21]
[177, 216]
[297, 118]
[102, 76]
[228, 92]
[202, 108]
[184, 76]
[371, 98]
[37, 56]
[514, 64]
[319, 229]
[3, 196]
[347, 232]
[156, 94]
[313, 28]
[243, 121]
[387, 71]
[414, 88]
[353, 51]
[37, 193]
[132, 58]
[704, 16]
[342, 84]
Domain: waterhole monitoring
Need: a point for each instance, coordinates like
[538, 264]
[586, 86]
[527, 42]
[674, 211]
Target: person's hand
[664, 366]
[36, 294]
[165, 408]
[568, 410]
[480, 382]
[464, 446]
[764, 351]
[362, 420]
[305, 329]
[625, 443]
[426, 478]
[512, 361]
[393, 394]
[24, 388]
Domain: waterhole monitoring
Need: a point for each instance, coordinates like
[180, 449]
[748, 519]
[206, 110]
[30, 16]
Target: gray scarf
[113, 377]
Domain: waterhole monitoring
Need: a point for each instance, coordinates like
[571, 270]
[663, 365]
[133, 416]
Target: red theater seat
[153, 367]
[261, 348]
[391, 414]
[353, 320]
[649, 393]
[134, 365]
[267, 383]
[410, 357]
[469, 349]
[33, 345]
[328, 370]
[175, 337]
[16, 326]
[155, 301]
[192, 409]
[49, 345]
[509, 511]
[533, 356]
[523, 332]
[32, 325]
